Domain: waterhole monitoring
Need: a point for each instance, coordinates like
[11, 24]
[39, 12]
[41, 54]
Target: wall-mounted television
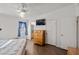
[40, 22]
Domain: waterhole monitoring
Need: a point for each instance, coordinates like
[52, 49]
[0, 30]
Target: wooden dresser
[39, 37]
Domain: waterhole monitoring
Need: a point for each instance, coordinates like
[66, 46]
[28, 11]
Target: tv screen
[40, 22]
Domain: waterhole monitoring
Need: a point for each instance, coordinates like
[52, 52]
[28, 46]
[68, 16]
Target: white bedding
[10, 47]
[6, 43]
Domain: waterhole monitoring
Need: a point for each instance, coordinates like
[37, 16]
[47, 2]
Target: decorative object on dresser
[39, 37]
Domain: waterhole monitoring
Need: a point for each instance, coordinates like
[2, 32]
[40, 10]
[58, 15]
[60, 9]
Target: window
[22, 29]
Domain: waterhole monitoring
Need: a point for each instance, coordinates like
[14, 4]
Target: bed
[12, 47]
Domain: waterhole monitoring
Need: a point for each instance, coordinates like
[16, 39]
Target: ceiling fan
[22, 10]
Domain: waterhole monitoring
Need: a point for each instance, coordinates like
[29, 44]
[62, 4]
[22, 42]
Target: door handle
[62, 35]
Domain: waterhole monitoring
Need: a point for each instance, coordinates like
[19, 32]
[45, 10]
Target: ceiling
[34, 8]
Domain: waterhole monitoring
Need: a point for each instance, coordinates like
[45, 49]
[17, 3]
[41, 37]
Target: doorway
[32, 28]
[77, 40]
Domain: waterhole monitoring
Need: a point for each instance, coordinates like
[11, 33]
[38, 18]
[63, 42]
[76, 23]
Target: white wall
[66, 25]
[9, 26]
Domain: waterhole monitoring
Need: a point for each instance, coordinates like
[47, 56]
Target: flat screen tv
[40, 22]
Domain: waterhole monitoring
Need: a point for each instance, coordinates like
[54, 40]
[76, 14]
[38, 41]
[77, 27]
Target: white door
[67, 33]
[51, 32]
[64, 33]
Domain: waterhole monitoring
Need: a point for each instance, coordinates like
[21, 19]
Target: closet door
[67, 33]
[51, 32]
[63, 34]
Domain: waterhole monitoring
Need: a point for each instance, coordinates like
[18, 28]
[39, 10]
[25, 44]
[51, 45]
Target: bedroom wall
[9, 26]
[66, 25]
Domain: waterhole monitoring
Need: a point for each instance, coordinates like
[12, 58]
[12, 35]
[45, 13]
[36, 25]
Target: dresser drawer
[38, 42]
[38, 39]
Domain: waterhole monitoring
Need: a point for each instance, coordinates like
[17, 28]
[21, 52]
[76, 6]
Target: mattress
[12, 47]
